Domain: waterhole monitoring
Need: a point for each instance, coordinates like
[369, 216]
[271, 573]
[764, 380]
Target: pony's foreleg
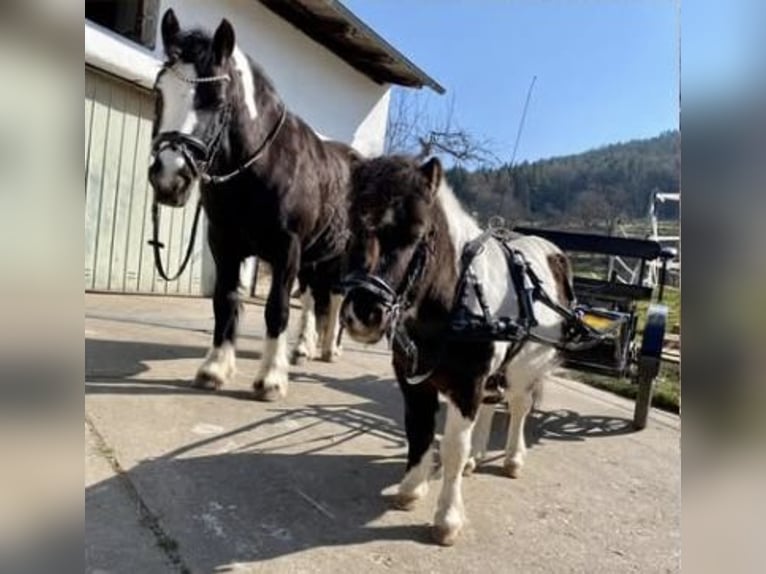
[455, 448]
[218, 368]
[271, 382]
[330, 340]
[307, 340]
[421, 403]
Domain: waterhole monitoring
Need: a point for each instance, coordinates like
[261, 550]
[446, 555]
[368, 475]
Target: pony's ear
[170, 29]
[432, 171]
[223, 42]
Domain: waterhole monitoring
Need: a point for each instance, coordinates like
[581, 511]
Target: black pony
[269, 185]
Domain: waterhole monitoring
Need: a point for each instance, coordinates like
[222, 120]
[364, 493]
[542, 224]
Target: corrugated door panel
[111, 175]
[118, 120]
[102, 95]
[138, 233]
[90, 94]
[195, 267]
[146, 270]
[125, 193]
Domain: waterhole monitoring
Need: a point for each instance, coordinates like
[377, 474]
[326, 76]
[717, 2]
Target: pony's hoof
[207, 381]
[298, 359]
[404, 501]
[512, 468]
[445, 535]
[268, 394]
[329, 357]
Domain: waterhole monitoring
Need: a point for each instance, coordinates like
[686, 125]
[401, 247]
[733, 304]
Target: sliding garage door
[118, 125]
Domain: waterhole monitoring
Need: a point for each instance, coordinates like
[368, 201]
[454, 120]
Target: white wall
[335, 99]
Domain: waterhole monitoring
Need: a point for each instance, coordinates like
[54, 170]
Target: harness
[467, 325]
[199, 156]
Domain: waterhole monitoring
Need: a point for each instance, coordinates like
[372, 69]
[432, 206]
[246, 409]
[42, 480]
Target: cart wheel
[649, 359]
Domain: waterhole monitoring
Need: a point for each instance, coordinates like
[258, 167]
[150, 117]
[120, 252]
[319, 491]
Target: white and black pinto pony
[270, 187]
[408, 235]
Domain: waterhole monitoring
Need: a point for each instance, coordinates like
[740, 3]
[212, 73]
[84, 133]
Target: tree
[414, 129]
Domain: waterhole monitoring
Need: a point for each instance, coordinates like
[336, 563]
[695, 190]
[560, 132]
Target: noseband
[396, 302]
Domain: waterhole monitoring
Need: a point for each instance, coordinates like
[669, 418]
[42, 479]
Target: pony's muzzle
[171, 178]
[365, 318]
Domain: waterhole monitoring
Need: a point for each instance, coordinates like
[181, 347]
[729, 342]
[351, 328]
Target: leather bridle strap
[270, 137]
[157, 245]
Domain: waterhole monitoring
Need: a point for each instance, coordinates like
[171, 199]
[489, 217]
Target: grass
[671, 298]
[667, 387]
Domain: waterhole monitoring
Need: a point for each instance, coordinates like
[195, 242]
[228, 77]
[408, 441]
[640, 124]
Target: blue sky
[607, 70]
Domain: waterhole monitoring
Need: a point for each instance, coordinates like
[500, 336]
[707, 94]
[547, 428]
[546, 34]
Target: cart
[609, 305]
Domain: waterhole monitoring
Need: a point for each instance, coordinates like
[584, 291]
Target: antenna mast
[518, 136]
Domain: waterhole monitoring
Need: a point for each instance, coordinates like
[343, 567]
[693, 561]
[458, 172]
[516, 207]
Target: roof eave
[334, 26]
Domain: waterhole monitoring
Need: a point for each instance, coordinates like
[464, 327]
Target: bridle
[395, 301]
[197, 153]
[199, 156]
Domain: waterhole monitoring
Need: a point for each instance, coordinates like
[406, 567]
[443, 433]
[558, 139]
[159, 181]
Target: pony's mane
[461, 225]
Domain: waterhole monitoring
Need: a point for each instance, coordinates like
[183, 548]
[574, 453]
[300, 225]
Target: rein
[191, 146]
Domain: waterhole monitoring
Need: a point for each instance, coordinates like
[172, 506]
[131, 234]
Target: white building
[329, 67]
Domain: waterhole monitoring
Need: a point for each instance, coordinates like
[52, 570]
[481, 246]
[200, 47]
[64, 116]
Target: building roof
[335, 27]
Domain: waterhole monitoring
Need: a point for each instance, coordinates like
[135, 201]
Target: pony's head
[196, 90]
[391, 216]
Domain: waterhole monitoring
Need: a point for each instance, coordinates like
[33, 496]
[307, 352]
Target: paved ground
[179, 479]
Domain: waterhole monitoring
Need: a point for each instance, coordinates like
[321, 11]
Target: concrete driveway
[185, 480]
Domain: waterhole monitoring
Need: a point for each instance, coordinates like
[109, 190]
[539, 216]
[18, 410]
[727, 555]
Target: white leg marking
[523, 374]
[480, 437]
[274, 365]
[307, 341]
[520, 403]
[455, 448]
[330, 348]
[414, 485]
[218, 368]
[248, 85]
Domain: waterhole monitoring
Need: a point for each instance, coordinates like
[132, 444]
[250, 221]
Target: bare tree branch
[413, 130]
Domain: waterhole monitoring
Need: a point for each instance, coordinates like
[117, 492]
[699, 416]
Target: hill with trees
[592, 190]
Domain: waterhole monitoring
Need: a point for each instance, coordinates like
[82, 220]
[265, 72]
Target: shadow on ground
[114, 367]
[128, 360]
[299, 504]
[219, 513]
